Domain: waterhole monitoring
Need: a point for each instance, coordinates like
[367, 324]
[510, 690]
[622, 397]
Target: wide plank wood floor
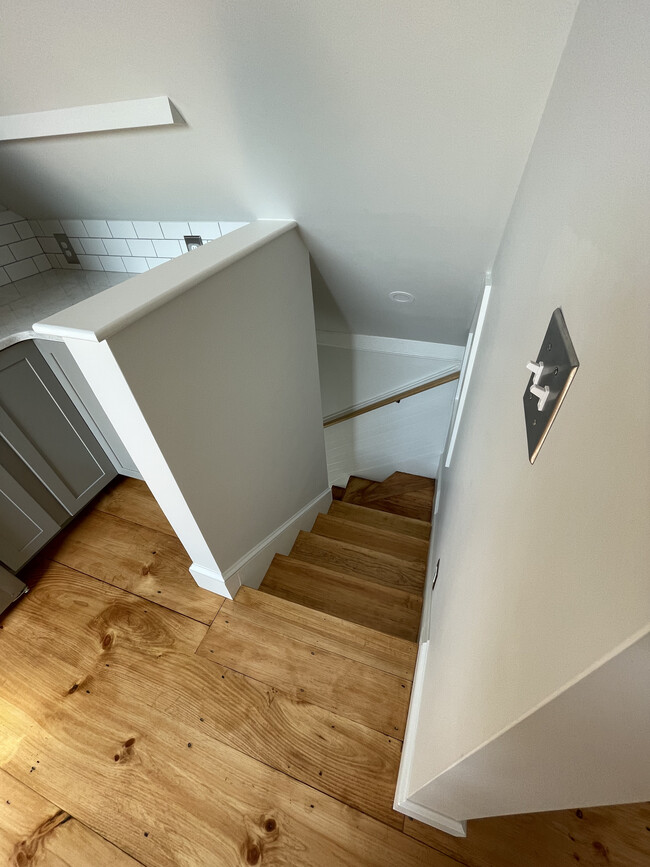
[145, 722]
[169, 756]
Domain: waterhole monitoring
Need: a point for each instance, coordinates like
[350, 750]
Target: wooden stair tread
[374, 538]
[349, 597]
[347, 558]
[243, 639]
[407, 505]
[365, 645]
[337, 492]
[382, 520]
[401, 494]
[357, 484]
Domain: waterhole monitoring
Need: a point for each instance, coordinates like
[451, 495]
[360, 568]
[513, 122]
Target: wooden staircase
[365, 561]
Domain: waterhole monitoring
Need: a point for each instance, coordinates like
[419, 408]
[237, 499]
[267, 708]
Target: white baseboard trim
[436, 820]
[402, 803]
[251, 568]
[391, 345]
[212, 580]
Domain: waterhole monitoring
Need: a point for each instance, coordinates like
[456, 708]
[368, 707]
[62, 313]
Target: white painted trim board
[468, 367]
[390, 345]
[251, 568]
[401, 803]
[126, 114]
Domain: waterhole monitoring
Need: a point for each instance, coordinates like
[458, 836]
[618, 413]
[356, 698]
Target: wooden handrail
[434, 383]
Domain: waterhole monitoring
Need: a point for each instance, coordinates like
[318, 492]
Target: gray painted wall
[394, 133]
[544, 568]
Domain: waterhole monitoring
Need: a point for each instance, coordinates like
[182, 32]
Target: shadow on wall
[328, 314]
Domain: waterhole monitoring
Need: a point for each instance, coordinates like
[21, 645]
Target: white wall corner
[392, 345]
[214, 581]
[403, 803]
[251, 568]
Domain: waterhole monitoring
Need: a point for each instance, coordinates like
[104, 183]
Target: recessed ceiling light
[401, 297]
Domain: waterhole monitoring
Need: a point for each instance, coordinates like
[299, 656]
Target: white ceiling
[394, 131]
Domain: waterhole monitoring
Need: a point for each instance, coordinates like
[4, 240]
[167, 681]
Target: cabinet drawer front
[40, 422]
[24, 526]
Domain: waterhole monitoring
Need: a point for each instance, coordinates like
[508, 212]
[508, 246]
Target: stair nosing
[291, 603]
[346, 577]
[400, 560]
[427, 524]
[371, 529]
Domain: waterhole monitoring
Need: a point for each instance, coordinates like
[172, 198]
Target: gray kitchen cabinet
[66, 370]
[42, 426]
[25, 525]
[10, 589]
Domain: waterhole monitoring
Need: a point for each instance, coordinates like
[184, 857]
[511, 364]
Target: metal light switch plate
[560, 365]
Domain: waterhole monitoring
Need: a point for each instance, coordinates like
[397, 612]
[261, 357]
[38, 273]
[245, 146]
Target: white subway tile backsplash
[96, 229]
[230, 227]
[95, 246]
[168, 249]
[9, 217]
[90, 263]
[19, 270]
[8, 234]
[121, 229]
[74, 227]
[49, 227]
[26, 249]
[49, 245]
[205, 230]
[6, 255]
[135, 265]
[141, 248]
[112, 263]
[42, 262]
[116, 247]
[24, 229]
[112, 245]
[175, 230]
[144, 229]
[4, 277]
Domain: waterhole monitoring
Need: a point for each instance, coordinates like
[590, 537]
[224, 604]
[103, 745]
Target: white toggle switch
[537, 369]
[541, 393]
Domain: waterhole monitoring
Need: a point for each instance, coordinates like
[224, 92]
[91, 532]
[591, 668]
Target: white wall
[394, 134]
[544, 569]
[355, 371]
[208, 372]
[586, 747]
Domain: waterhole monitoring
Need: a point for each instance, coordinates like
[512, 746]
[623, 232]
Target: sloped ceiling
[394, 131]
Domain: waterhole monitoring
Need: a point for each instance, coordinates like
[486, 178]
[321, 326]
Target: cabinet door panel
[24, 526]
[40, 422]
[66, 370]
